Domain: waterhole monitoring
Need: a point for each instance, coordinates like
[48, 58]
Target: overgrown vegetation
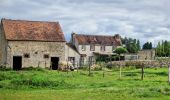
[48, 84]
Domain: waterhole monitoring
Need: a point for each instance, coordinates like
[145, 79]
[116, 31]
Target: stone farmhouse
[42, 44]
[90, 46]
[31, 43]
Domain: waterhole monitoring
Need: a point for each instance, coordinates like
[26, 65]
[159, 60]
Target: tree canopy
[132, 45]
[163, 49]
[120, 50]
[147, 45]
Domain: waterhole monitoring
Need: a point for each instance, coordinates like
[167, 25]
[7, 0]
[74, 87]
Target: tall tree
[132, 45]
[138, 45]
[147, 45]
[163, 49]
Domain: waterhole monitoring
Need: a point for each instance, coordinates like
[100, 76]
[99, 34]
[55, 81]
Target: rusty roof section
[98, 39]
[22, 30]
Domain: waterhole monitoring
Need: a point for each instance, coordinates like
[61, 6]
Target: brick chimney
[73, 34]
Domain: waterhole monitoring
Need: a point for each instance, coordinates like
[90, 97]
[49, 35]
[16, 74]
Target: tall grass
[154, 84]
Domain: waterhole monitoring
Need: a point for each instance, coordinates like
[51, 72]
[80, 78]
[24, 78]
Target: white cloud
[147, 20]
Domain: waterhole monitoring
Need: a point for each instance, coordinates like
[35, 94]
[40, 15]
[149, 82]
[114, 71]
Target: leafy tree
[132, 45]
[138, 45]
[163, 49]
[120, 50]
[147, 45]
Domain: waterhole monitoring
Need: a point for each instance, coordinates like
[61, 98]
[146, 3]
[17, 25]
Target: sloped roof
[32, 30]
[98, 39]
[72, 46]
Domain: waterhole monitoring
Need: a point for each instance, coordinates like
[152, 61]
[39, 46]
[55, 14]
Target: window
[26, 55]
[83, 47]
[102, 48]
[46, 56]
[92, 47]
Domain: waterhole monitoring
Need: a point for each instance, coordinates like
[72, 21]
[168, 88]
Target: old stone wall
[36, 51]
[3, 46]
[69, 52]
[146, 54]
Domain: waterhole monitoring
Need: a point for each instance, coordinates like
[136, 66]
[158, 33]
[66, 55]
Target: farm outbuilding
[31, 44]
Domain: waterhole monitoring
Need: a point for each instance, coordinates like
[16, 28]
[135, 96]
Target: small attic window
[26, 55]
[46, 56]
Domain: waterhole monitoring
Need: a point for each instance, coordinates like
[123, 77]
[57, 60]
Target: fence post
[67, 67]
[120, 71]
[103, 69]
[89, 68]
[142, 72]
[77, 66]
[169, 73]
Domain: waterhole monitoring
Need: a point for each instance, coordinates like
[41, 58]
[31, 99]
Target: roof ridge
[30, 20]
[97, 35]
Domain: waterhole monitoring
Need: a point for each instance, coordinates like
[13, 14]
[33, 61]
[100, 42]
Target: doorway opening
[17, 62]
[54, 63]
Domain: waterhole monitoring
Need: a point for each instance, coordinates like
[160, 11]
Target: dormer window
[92, 47]
[102, 48]
[83, 47]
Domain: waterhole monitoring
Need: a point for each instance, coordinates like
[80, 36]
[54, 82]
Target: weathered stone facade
[141, 55]
[31, 44]
[72, 56]
[36, 51]
[146, 54]
[3, 47]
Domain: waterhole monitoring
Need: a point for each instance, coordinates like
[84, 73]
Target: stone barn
[31, 44]
[73, 56]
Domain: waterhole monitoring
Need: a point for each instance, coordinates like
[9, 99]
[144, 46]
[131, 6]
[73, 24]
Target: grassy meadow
[42, 84]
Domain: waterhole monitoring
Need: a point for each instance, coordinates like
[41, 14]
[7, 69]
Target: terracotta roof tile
[98, 39]
[32, 30]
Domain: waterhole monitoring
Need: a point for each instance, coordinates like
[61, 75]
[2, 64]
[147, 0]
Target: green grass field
[44, 84]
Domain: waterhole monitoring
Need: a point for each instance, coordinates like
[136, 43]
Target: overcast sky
[147, 20]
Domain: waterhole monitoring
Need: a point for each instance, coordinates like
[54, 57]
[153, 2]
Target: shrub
[96, 67]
